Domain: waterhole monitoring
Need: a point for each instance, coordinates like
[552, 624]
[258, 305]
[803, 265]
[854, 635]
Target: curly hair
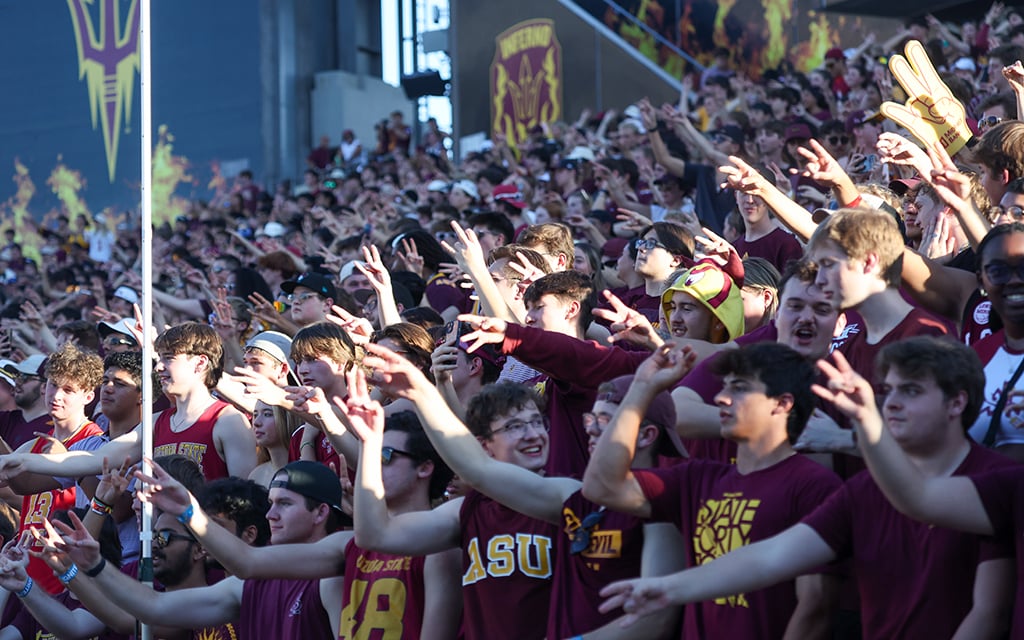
[70, 365]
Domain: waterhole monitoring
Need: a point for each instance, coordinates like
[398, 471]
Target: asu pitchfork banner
[526, 79]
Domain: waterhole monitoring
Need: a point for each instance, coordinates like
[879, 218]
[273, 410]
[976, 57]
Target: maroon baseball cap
[661, 413]
[510, 194]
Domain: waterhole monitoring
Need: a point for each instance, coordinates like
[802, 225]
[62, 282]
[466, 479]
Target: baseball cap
[273, 229]
[5, 375]
[661, 412]
[313, 281]
[509, 194]
[714, 289]
[127, 293]
[581, 153]
[732, 132]
[965, 64]
[859, 117]
[900, 186]
[798, 131]
[34, 365]
[276, 344]
[311, 480]
[439, 186]
[835, 53]
[106, 327]
[467, 187]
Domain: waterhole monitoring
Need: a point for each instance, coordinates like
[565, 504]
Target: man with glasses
[662, 249]
[594, 545]
[381, 592]
[305, 507]
[1012, 202]
[311, 296]
[20, 425]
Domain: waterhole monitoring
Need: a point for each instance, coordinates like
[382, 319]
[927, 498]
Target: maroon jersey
[1002, 495]
[16, 432]
[195, 442]
[861, 350]
[778, 247]
[615, 551]
[891, 553]
[507, 569]
[325, 453]
[38, 507]
[720, 510]
[283, 610]
[636, 299]
[980, 320]
[383, 595]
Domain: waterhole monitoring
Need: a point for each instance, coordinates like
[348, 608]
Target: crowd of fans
[762, 333]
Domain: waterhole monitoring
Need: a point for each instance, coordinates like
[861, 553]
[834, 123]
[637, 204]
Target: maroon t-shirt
[383, 595]
[507, 569]
[1002, 495]
[636, 299]
[615, 551]
[778, 247]
[16, 432]
[931, 568]
[719, 509]
[283, 610]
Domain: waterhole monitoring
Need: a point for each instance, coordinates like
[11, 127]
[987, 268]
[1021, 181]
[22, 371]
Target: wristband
[95, 571]
[99, 507]
[186, 515]
[853, 205]
[101, 503]
[70, 574]
[25, 590]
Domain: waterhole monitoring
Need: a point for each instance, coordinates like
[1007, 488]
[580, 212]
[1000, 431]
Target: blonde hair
[862, 231]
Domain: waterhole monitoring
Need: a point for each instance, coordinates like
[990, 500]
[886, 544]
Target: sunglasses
[164, 537]
[837, 140]
[999, 273]
[582, 535]
[125, 342]
[387, 454]
[984, 122]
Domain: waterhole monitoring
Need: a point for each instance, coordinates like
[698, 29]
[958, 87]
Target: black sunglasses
[581, 536]
[836, 140]
[164, 537]
[388, 453]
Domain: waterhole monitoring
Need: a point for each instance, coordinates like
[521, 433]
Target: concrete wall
[342, 100]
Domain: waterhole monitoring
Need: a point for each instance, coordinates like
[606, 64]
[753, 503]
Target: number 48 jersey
[383, 595]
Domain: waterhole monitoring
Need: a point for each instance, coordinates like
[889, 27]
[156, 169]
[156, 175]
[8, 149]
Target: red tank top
[41, 506]
[383, 595]
[195, 442]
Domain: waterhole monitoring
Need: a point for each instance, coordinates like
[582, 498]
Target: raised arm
[513, 486]
[414, 533]
[742, 177]
[73, 464]
[947, 501]
[608, 479]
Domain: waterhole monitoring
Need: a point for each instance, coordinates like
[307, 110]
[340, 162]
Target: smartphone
[452, 332]
[870, 162]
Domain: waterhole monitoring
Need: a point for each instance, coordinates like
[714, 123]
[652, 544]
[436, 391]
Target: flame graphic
[18, 203]
[169, 171]
[65, 184]
[108, 61]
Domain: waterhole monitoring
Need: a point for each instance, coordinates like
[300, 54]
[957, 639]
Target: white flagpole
[146, 102]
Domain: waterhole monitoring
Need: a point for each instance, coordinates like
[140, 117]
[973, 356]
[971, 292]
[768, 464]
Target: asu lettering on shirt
[723, 526]
[506, 554]
[194, 451]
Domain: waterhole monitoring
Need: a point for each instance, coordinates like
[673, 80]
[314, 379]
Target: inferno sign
[526, 79]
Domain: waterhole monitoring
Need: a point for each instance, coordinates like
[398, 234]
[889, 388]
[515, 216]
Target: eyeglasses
[589, 420]
[517, 428]
[837, 140]
[119, 342]
[647, 244]
[581, 536]
[1013, 211]
[164, 537]
[999, 273]
[387, 454]
[984, 122]
[294, 299]
[23, 378]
